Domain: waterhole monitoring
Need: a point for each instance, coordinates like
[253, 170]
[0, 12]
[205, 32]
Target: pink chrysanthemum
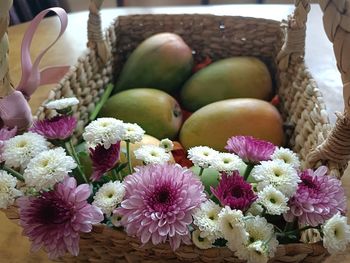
[250, 149]
[234, 192]
[103, 160]
[55, 218]
[159, 203]
[57, 128]
[319, 197]
[5, 134]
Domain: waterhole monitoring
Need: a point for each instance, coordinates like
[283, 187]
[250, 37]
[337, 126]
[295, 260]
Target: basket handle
[96, 40]
[5, 82]
[336, 20]
[293, 48]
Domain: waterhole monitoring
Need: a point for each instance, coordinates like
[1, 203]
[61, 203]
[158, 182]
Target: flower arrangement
[249, 199]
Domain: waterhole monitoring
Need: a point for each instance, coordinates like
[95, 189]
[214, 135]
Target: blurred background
[25, 10]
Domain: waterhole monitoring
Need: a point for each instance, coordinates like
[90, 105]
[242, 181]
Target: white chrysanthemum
[277, 173]
[62, 103]
[133, 132]
[286, 155]
[206, 218]
[167, 144]
[109, 196]
[255, 209]
[116, 220]
[336, 234]
[8, 191]
[259, 229]
[232, 227]
[256, 252]
[274, 201]
[310, 236]
[48, 168]
[151, 154]
[228, 162]
[202, 156]
[19, 150]
[106, 131]
[201, 242]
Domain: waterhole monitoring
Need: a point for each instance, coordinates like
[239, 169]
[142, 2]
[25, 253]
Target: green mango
[155, 111]
[162, 61]
[209, 177]
[237, 77]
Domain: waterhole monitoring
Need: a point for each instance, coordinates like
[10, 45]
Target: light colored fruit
[213, 124]
[238, 77]
[162, 61]
[155, 111]
[209, 177]
[147, 139]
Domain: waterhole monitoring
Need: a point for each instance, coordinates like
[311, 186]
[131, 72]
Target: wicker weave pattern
[5, 81]
[109, 245]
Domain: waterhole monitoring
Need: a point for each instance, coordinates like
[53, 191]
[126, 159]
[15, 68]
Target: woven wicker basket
[280, 47]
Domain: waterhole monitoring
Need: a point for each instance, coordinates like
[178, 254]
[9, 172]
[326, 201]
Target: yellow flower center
[22, 144]
[44, 163]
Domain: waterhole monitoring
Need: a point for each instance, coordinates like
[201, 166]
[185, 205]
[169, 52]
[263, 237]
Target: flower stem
[128, 156]
[71, 150]
[249, 168]
[105, 96]
[201, 171]
[13, 172]
[74, 153]
[120, 176]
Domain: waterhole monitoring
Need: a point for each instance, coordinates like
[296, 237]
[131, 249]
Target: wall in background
[79, 5]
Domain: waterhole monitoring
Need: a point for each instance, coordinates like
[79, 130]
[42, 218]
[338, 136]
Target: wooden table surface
[319, 59]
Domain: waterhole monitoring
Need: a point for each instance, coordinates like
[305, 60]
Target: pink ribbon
[14, 109]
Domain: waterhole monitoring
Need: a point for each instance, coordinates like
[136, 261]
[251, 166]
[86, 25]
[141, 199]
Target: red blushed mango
[213, 124]
[230, 78]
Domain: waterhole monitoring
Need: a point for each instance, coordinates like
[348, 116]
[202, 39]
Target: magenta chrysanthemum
[5, 134]
[250, 149]
[234, 192]
[104, 160]
[55, 218]
[319, 197]
[57, 128]
[159, 202]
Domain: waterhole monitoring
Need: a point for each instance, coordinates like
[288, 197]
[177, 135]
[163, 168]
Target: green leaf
[103, 100]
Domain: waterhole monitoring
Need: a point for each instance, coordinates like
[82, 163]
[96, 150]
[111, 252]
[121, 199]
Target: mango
[237, 77]
[210, 177]
[162, 61]
[146, 140]
[155, 111]
[215, 123]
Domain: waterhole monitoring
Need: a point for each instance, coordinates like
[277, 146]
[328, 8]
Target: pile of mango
[158, 90]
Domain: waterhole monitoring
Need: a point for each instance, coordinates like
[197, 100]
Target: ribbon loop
[14, 108]
[31, 76]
